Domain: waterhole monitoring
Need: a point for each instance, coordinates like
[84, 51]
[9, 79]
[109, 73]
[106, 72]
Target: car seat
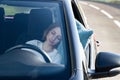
[2, 13]
[39, 20]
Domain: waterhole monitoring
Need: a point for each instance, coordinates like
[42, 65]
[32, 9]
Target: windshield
[32, 39]
[36, 23]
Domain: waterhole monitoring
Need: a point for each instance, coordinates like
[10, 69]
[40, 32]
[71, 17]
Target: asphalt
[112, 4]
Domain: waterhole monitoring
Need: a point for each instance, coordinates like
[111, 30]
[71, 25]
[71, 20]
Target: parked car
[25, 20]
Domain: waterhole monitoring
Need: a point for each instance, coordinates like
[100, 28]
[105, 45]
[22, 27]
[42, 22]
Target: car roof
[36, 0]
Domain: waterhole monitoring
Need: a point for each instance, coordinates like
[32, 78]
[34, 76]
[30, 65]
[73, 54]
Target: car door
[90, 48]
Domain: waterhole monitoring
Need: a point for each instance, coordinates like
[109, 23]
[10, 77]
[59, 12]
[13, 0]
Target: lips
[51, 41]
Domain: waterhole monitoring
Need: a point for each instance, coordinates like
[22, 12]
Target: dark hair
[52, 26]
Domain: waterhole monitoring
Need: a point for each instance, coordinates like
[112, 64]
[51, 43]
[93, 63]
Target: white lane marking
[117, 23]
[107, 14]
[93, 6]
[84, 3]
[104, 12]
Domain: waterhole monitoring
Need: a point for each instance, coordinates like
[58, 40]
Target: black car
[25, 20]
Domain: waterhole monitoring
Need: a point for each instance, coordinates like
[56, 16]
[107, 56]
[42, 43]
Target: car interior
[16, 27]
[21, 27]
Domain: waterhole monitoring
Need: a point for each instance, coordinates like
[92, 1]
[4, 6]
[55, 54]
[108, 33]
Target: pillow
[84, 33]
[61, 51]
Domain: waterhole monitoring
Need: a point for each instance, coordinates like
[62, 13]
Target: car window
[77, 13]
[28, 22]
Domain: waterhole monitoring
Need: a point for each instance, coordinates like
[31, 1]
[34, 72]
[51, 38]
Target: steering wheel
[32, 47]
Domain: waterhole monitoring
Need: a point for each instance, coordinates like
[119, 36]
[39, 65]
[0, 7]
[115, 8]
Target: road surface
[104, 19]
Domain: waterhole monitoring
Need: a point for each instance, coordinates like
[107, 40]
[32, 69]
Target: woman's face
[54, 36]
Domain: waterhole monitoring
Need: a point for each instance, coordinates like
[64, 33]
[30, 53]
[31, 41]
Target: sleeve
[32, 42]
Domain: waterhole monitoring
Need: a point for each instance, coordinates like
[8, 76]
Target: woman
[52, 37]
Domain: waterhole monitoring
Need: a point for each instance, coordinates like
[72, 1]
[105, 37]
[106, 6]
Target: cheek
[48, 36]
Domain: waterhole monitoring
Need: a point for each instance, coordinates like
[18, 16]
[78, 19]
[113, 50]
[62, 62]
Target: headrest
[21, 17]
[39, 20]
[2, 13]
[20, 22]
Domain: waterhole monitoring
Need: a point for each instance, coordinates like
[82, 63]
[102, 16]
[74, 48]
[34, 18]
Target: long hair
[52, 26]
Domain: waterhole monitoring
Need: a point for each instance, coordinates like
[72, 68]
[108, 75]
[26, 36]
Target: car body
[24, 20]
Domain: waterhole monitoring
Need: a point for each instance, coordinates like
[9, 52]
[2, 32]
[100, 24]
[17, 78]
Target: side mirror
[105, 61]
